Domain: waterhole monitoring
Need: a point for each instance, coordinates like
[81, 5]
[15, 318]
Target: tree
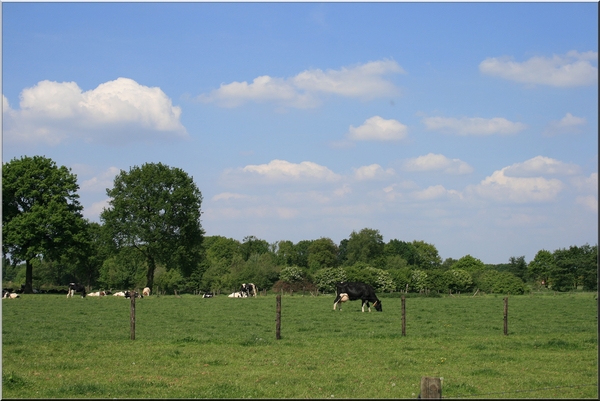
[41, 214]
[322, 253]
[405, 250]
[365, 246]
[541, 265]
[155, 209]
[252, 245]
[470, 264]
[518, 267]
[428, 257]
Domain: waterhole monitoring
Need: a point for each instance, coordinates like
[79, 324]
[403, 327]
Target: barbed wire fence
[521, 391]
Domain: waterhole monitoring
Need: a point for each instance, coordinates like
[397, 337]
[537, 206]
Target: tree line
[150, 235]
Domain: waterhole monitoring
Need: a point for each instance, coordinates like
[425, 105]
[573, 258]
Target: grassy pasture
[191, 347]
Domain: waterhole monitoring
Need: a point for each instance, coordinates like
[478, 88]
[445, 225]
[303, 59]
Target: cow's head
[377, 305]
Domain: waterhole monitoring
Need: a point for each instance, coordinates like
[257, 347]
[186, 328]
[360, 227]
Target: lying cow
[10, 295]
[239, 294]
[208, 295]
[353, 291]
[73, 288]
[146, 292]
[248, 289]
[96, 294]
[119, 294]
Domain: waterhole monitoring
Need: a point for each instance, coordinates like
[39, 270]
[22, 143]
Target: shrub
[496, 282]
[325, 279]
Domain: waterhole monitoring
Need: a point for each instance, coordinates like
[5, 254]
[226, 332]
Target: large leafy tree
[364, 246]
[41, 214]
[322, 253]
[155, 209]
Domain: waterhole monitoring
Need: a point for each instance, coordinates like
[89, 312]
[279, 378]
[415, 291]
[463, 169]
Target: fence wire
[521, 391]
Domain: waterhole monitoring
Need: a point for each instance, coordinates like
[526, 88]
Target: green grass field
[189, 347]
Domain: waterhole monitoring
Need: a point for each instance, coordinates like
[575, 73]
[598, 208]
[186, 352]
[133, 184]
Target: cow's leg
[335, 302]
[363, 306]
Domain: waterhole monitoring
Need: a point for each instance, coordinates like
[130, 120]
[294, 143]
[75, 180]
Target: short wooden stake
[506, 316]
[403, 315]
[132, 317]
[278, 319]
[431, 387]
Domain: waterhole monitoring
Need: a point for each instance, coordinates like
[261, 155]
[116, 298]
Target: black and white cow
[134, 294]
[354, 291]
[73, 288]
[248, 289]
[208, 295]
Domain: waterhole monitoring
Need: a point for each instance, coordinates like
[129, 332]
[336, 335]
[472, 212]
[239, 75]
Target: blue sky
[471, 126]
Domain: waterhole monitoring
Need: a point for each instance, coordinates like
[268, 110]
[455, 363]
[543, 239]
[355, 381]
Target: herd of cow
[345, 291]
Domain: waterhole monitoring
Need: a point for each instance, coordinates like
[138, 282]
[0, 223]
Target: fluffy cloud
[364, 81]
[568, 124]
[378, 129]
[572, 69]
[281, 171]
[372, 172]
[473, 126]
[100, 182]
[540, 166]
[52, 112]
[437, 162]
[588, 202]
[434, 192]
[502, 188]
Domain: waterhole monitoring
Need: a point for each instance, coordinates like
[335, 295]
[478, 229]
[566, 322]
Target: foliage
[541, 265]
[155, 209]
[405, 250]
[253, 246]
[470, 264]
[125, 270]
[41, 214]
[364, 246]
[427, 255]
[291, 274]
[518, 267]
[574, 266]
[168, 281]
[418, 280]
[322, 253]
[496, 282]
[325, 279]
[458, 279]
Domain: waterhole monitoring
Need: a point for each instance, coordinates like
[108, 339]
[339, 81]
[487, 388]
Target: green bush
[496, 282]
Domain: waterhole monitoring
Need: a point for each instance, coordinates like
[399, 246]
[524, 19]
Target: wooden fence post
[506, 316]
[403, 298]
[132, 318]
[431, 387]
[278, 319]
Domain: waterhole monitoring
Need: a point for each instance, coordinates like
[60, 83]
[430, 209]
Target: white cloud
[539, 166]
[115, 111]
[589, 202]
[473, 126]
[372, 172]
[378, 129]
[364, 81]
[93, 212]
[586, 184]
[502, 188]
[100, 182]
[281, 171]
[437, 162]
[229, 196]
[434, 192]
[568, 124]
[572, 69]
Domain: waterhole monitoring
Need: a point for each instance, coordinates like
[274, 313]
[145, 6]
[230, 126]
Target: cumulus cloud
[473, 126]
[120, 110]
[229, 196]
[100, 182]
[363, 81]
[588, 202]
[568, 124]
[569, 70]
[502, 188]
[437, 162]
[586, 184]
[541, 166]
[378, 129]
[281, 171]
[434, 192]
[372, 172]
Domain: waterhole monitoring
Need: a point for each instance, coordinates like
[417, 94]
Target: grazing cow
[73, 288]
[354, 291]
[119, 294]
[146, 292]
[249, 289]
